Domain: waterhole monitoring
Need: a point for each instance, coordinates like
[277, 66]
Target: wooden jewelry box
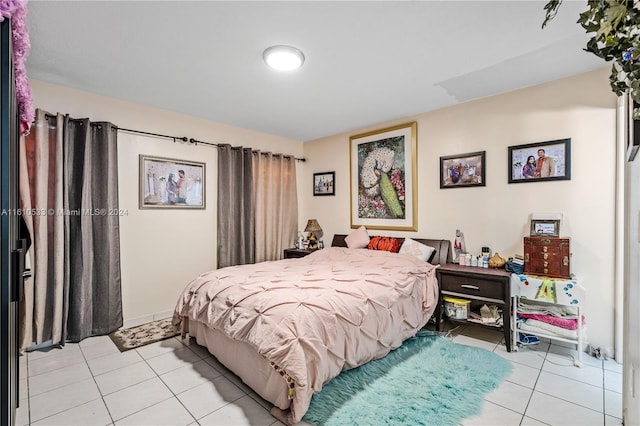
[548, 256]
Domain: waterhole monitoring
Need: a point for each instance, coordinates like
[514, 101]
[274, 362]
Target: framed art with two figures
[167, 183]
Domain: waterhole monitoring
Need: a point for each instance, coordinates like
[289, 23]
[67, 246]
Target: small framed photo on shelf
[541, 161]
[545, 228]
[462, 170]
[324, 183]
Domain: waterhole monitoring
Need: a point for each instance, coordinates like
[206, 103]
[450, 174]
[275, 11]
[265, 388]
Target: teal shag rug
[429, 380]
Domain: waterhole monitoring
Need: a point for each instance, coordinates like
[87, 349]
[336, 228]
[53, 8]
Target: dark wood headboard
[443, 247]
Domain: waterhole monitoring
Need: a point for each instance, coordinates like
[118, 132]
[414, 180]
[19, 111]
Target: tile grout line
[113, 422]
[582, 383]
[58, 347]
[76, 406]
[171, 390]
[568, 378]
[97, 387]
[570, 402]
[135, 384]
[546, 353]
[535, 385]
[604, 396]
[61, 386]
[28, 389]
[221, 375]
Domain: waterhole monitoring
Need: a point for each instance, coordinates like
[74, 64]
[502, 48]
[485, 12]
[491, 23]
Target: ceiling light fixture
[283, 58]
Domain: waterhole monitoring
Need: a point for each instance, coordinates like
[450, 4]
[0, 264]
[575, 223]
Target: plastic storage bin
[456, 308]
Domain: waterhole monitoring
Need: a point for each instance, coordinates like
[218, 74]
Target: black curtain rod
[185, 139]
[174, 138]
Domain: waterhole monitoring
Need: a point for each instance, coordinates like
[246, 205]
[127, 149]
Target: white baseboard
[162, 315]
[133, 322]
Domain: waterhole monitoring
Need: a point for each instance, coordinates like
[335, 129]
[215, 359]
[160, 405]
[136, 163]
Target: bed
[287, 327]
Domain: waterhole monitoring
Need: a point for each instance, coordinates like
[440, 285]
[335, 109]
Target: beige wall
[161, 250]
[582, 108]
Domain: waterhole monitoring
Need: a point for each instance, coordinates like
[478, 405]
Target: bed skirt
[245, 362]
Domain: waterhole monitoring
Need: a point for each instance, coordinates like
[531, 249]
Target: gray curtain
[68, 175]
[235, 206]
[93, 299]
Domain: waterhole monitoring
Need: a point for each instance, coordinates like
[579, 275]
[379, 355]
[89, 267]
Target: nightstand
[293, 253]
[480, 286]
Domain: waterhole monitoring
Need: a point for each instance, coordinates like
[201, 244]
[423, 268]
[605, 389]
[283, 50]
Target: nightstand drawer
[475, 286]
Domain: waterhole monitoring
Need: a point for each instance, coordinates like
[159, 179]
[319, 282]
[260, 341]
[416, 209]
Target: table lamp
[315, 232]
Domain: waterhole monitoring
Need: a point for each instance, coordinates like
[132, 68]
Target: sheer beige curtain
[276, 204]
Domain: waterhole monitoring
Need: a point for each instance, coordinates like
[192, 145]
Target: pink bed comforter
[316, 316]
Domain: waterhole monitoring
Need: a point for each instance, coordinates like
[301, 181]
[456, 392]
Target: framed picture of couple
[541, 161]
[167, 183]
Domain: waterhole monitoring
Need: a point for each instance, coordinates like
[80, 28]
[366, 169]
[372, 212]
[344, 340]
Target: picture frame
[383, 180]
[324, 183]
[525, 161]
[463, 170]
[169, 183]
[544, 228]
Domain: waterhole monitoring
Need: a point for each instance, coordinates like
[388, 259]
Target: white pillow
[419, 250]
[358, 238]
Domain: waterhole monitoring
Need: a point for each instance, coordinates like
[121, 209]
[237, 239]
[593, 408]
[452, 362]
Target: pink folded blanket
[568, 324]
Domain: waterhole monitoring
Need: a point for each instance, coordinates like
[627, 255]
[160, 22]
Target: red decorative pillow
[385, 243]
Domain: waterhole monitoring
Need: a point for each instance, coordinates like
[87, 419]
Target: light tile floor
[176, 382]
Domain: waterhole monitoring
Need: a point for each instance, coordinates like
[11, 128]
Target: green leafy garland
[616, 24]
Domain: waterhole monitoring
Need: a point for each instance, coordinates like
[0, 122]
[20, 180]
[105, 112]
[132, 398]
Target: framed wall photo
[542, 161]
[167, 183]
[383, 178]
[545, 228]
[324, 183]
[462, 170]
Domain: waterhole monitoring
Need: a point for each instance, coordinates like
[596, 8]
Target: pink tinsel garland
[17, 11]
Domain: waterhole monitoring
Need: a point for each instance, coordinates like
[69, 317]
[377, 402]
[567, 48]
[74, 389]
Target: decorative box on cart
[548, 256]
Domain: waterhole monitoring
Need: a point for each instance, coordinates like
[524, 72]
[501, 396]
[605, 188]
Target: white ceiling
[366, 62]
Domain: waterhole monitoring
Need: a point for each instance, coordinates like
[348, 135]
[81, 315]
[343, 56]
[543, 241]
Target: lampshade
[314, 227]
